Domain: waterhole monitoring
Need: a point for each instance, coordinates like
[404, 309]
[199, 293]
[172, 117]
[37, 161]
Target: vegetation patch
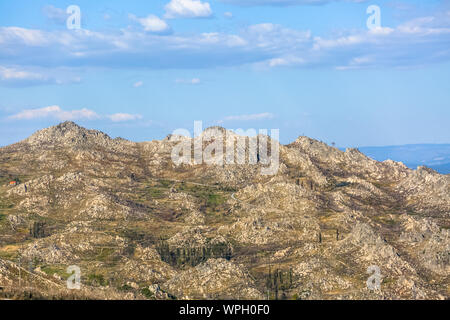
[385, 220]
[94, 279]
[192, 256]
[55, 269]
[156, 193]
[215, 200]
[164, 183]
[105, 254]
[278, 283]
[5, 205]
[125, 288]
[147, 293]
[9, 252]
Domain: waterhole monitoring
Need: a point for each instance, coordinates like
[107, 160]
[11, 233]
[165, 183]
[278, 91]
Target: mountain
[435, 156]
[140, 225]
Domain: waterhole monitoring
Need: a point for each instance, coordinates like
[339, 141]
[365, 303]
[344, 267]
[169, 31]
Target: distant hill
[435, 156]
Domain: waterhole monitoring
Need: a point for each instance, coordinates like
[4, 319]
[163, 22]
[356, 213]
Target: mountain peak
[68, 133]
[68, 125]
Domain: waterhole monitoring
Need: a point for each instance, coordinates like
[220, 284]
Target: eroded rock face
[426, 191]
[141, 226]
[216, 278]
[74, 136]
[431, 243]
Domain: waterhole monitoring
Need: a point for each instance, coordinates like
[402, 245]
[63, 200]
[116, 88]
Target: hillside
[141, 227]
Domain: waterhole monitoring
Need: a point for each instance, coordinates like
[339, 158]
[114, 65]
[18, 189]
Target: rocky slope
[141, 226]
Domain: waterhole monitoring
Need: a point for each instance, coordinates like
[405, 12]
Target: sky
[140, 69]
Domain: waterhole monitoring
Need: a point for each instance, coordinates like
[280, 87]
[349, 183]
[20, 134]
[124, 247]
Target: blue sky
[141, 69]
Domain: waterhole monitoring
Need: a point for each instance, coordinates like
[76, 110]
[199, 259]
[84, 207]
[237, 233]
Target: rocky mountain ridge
[141, 226]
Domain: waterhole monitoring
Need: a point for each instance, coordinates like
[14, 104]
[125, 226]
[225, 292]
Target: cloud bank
[56, 112]
[22, 77]
[414, 43]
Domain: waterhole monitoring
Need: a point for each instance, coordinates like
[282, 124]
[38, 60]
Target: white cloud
[138, 84]
[187, 9]
[10, 74]
[427, 26]
[188, 81]
[152, 23]
[55, 112]
[248, 117]
[228, 15]
[19, 77]
[122, 117]
[56, 15]
[24, 37]
[285, 61]
[381, 30]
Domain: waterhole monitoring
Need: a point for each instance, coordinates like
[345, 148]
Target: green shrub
[125, 288]
[214, 200]
[97, 279]
[147, 293]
